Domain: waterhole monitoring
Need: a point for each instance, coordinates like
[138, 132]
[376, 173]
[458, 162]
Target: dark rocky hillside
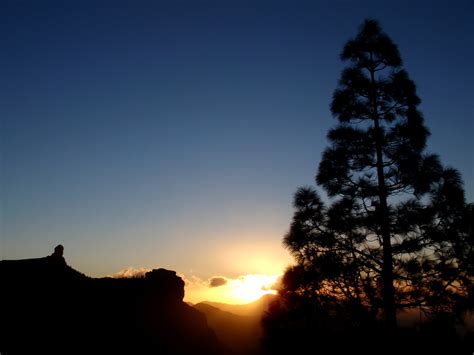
[47, 307]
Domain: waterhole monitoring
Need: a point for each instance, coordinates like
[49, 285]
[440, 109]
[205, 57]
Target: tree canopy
[397, 232]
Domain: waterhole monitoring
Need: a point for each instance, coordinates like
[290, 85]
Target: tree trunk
[390, 317]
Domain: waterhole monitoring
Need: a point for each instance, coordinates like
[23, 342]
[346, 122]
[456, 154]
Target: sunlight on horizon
[241, 290]
[250, 288]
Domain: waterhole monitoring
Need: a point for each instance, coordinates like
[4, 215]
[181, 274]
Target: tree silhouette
[398, 232]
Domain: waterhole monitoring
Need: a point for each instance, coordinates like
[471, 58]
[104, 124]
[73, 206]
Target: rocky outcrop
[48, 307]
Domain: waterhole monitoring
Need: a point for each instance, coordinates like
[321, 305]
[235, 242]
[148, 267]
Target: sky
[146, 134]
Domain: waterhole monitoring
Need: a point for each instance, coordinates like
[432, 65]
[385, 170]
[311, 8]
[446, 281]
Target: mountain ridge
[242, 333]
[49, 307]
[257, 307]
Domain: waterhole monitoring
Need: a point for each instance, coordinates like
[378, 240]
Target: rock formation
[47, 307]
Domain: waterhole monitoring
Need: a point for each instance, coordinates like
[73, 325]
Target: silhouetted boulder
[164, 285]
[57, 256]
[48, 307]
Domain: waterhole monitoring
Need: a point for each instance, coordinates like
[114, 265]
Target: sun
[250, 288]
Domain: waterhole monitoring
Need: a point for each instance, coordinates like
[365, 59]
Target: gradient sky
[174, 133]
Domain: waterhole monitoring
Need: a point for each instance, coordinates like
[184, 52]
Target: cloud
[130, 272]
[193, 281]
[217, 281]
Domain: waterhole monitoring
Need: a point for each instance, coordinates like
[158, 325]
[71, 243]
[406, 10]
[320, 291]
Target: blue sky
[174, 133]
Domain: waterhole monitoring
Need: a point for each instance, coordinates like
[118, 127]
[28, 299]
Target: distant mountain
[47, 307]
[255, 308]
[237, 326]
[240, 333]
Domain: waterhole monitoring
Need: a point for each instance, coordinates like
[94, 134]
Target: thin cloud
[130, 272]
[193, 281]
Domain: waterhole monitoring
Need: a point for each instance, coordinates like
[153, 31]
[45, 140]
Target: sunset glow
[251, 287]
[241, 290]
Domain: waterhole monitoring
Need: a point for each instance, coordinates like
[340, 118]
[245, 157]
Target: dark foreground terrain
[47, 307]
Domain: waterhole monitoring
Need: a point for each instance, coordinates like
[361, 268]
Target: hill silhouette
[47, 307]
[255, 308]
[241, 333]
[238, 326]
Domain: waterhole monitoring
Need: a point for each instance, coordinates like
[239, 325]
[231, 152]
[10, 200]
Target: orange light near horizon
[241, 290]
[250, 288]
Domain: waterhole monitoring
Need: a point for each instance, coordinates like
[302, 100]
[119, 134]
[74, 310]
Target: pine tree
[398, 232]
